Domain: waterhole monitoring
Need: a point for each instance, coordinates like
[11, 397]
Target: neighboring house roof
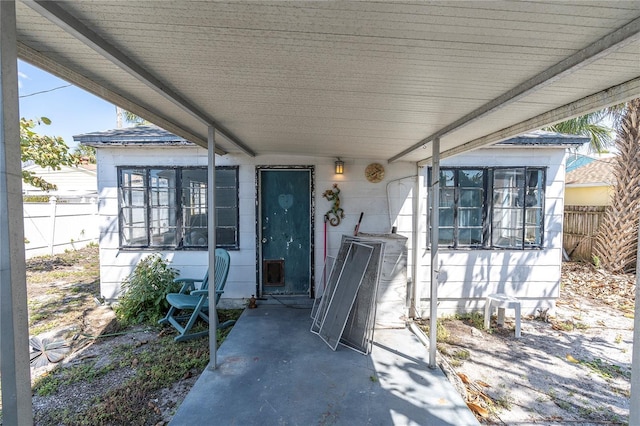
[78, 181]
[577, 160]
[597, 173]
[154, 135]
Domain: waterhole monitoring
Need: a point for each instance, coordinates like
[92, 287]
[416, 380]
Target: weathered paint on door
[285, 231]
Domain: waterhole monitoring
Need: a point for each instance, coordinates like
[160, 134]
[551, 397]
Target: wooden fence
[581, 225]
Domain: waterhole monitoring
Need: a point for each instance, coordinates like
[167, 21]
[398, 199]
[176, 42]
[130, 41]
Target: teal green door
[285, 231]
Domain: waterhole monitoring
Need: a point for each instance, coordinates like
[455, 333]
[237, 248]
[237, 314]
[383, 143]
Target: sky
[72, 111]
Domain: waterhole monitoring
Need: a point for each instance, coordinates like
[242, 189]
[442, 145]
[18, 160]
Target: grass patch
[605, 369]
[161, 364]
[462, 354]
[505, 401]
[442, 334]
[157, 364]
[581, 326]
[474, 319]
[563, 325]
[49, 384]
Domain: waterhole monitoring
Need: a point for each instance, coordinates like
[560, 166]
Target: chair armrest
[188, 283]
[204, 292]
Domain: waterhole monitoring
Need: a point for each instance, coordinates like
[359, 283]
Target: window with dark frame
[166, 207]
[482, 208]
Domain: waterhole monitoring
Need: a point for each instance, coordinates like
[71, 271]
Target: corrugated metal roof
[346, 79]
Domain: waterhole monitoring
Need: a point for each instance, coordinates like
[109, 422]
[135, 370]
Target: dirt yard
[89, 370]
[571, 368]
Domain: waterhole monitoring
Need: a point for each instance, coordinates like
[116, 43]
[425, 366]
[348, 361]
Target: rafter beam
[618, 39]
[611, 96]
[41, 61]
[56, 14]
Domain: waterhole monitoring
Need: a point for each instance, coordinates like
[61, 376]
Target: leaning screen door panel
[285, 227]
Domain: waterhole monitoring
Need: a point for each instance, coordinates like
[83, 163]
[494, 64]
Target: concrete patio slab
[273, 371]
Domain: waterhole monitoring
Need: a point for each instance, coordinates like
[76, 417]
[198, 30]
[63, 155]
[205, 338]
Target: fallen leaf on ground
[481, 411]
[464, 378]
[572, 359]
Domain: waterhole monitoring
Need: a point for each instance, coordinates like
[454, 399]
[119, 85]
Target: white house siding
[467, 276]
[357, 195]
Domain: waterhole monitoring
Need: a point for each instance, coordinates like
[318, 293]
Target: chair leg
[165, 320]
[226, 324]
[487, 314]
[500, 317]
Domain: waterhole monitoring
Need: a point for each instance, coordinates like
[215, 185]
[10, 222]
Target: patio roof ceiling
[342, 79]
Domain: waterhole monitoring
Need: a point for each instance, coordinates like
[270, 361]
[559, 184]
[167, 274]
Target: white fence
[54, 227]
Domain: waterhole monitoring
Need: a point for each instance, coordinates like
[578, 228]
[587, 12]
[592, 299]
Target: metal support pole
[634, 410]
[14, 332]
[418, 244]
[211, 237]
[435, 237]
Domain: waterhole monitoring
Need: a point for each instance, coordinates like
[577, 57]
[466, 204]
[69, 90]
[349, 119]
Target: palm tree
[590, 125]
[616, 243]
[617, 240]
[129, 117]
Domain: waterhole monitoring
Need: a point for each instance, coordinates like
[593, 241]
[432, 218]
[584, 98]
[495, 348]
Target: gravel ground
[570, 368]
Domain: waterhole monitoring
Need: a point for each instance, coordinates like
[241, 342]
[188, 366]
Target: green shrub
[145, 291]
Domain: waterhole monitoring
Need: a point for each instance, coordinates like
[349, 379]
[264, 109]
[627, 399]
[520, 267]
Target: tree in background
[128, 117]
[45, 151]
[86, 152]
[616, 244]
[590, 125]
[617, 240]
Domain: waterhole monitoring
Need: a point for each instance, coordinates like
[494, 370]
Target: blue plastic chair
[190, 304]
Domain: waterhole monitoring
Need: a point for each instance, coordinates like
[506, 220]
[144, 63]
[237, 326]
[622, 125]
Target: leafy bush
[145, 291]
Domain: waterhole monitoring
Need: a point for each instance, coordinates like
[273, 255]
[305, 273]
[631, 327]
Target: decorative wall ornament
[335, 214]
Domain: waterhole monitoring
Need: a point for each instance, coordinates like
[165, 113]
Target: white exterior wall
[357, 195]
[467, 276]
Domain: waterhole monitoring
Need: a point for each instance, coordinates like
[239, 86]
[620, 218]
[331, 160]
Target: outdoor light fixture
[339, 166]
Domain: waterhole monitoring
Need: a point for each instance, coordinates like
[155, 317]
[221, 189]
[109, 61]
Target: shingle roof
[154, 135]
[541, 137]
[596, 173]
[137, 135]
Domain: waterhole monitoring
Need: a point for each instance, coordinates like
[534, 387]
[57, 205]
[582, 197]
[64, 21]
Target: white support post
[211, 237]
[634, 410]
[418, 243]
[435, 237]
[14, 332]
